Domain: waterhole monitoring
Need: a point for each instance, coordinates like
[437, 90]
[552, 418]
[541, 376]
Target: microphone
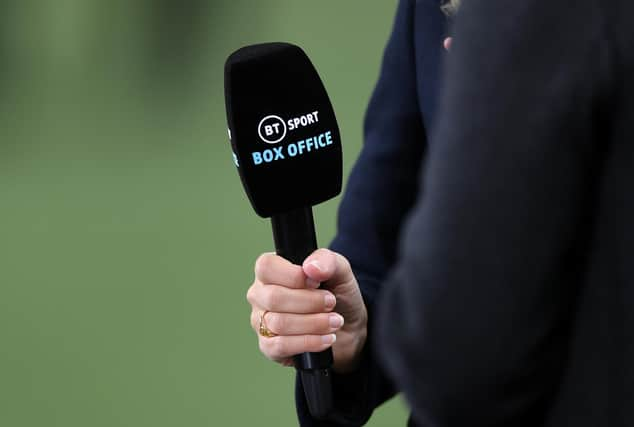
[287, 148]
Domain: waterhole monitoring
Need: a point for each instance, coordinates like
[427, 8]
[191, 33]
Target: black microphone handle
[295, 239]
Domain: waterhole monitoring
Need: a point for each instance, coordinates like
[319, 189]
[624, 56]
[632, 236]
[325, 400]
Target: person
[381, 190]
[510, 302]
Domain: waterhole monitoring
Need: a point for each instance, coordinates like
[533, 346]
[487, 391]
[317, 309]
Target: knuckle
[262, 264]
[322, 252]
[345, 264]
[277, 346]
[251, 294]
[253, 319]
[344, 268]
[273, 347]
[262, 344]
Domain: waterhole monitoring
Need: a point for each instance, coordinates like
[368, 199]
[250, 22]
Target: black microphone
[287, 147]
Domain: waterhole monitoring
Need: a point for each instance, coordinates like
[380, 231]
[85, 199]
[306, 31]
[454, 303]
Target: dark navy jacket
[510, 300]
[384, 181]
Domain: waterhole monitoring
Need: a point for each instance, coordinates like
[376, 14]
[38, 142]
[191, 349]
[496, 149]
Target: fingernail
[317, 265]
[312, 283]
[329, 339]
[336, 321]
[329, 300]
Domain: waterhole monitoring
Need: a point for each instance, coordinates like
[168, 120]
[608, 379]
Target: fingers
[295, 333]
[326, 265]
[275, 270]
[299, 314]
[280, 299]
[298, 324]
[282, 347]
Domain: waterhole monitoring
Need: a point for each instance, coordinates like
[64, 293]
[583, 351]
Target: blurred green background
[126, 241]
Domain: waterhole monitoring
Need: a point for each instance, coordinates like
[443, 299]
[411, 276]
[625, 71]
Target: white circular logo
[272, 129]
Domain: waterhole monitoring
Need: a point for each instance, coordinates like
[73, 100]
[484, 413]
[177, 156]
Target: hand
[447, 43]
[304, 318]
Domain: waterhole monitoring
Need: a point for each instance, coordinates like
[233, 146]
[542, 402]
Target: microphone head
[284, 134]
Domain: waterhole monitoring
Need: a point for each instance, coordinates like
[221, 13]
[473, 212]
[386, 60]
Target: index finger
[272, 269]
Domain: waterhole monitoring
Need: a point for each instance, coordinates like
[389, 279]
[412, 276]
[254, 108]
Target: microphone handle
[295, 239]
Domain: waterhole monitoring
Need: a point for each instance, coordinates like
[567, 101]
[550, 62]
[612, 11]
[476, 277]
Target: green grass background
[126, 241]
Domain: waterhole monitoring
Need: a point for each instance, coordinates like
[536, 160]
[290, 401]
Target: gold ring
[264, 331]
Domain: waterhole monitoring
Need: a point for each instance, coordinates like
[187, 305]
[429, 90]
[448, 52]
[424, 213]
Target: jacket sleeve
[379, 193]
[473, 322]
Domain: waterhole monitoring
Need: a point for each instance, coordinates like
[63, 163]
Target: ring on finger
[264, 331]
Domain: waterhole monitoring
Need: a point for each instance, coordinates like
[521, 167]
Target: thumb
[325, 265]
